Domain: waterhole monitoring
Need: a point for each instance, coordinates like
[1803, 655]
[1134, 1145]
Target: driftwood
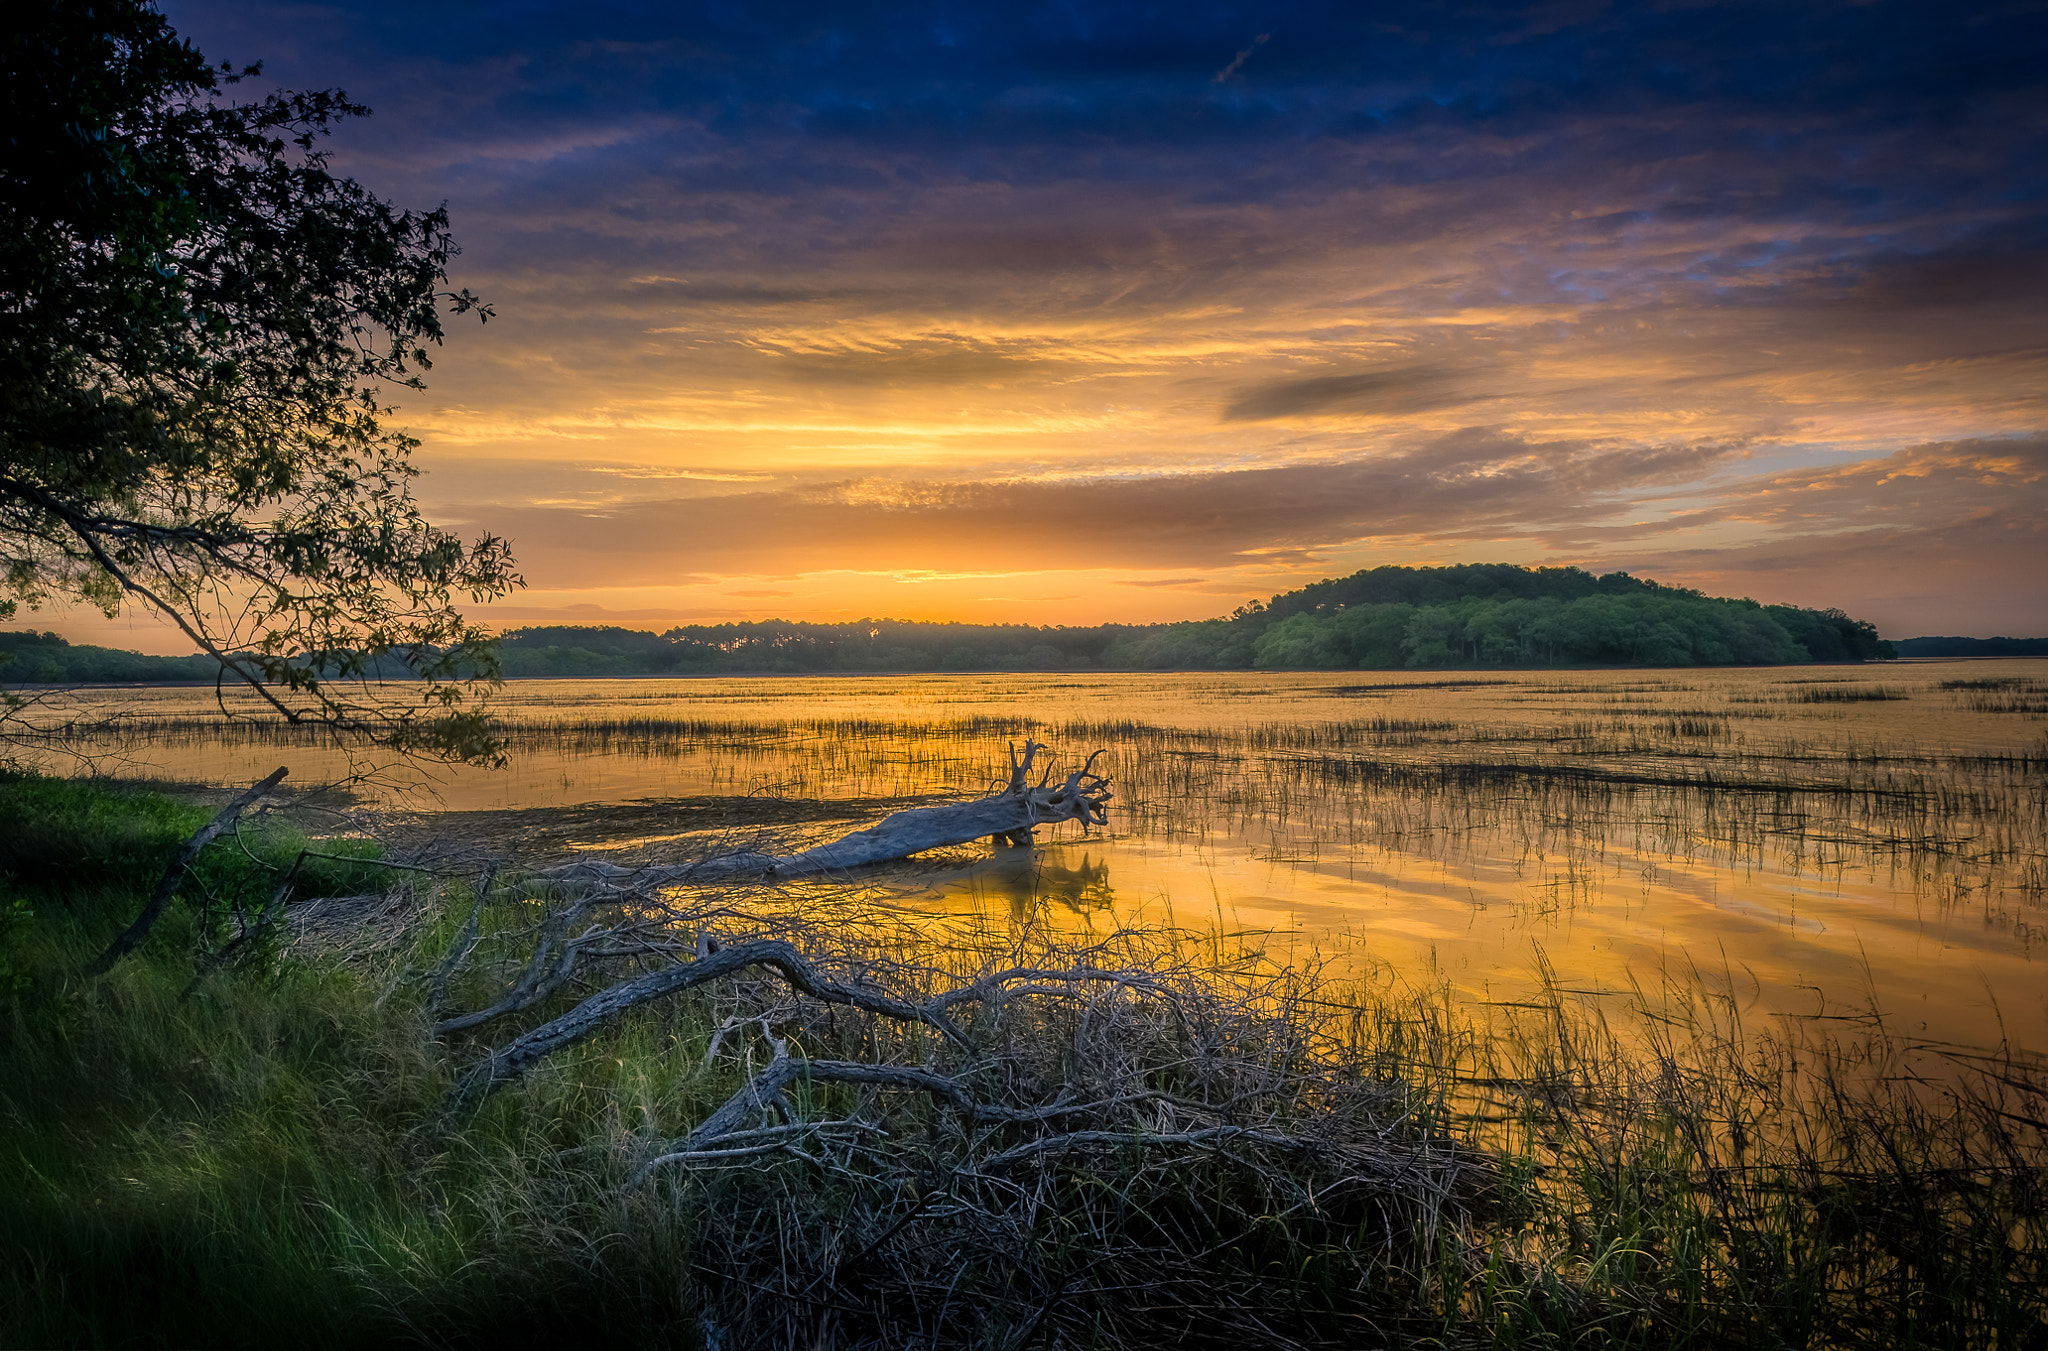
[716, 1135]
[888, 1116]
[851, 1117]
[1007, 817]
[510, 1061]
[715, 960]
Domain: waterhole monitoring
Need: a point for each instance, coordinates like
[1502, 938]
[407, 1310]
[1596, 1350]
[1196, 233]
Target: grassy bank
[1161, 1139]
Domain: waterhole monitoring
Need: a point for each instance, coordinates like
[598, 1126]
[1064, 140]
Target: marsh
[1815, 842]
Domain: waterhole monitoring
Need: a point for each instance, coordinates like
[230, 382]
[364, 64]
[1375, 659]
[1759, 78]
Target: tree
[199, 327]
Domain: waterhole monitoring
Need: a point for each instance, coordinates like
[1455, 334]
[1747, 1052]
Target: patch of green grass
[255, 1159]
[76, 845]
[64, 836]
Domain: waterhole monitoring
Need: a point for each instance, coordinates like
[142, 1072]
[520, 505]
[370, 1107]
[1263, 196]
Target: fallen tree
[1008, 817]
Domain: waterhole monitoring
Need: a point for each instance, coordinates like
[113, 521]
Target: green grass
[69, 840]
[250, 1158]
[259, 1155]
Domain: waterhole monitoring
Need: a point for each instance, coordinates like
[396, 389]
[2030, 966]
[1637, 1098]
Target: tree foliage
[47, 659]
[200, 325]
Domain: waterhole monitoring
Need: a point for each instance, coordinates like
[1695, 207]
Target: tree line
[31, 658]
[1972, 647]
[1388, 618]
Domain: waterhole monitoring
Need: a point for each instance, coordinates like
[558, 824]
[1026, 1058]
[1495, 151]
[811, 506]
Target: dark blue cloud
[949, 78]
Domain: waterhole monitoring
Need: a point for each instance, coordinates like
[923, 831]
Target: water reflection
[1027, 882]
[1801, 830]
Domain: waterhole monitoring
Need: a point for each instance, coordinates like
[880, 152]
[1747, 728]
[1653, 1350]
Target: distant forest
[1972, 647]
[1391, 618]
[31, 658]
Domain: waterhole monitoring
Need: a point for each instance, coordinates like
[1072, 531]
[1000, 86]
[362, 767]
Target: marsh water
[1820, 840]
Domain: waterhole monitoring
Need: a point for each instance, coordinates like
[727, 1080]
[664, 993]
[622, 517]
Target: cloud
[1477, 480]
[1932, 485]
[1968, 517]
[1237, 62]
[653, 471]
[1945, 537]
[917, 290]
[929, 359]
[1396, 389]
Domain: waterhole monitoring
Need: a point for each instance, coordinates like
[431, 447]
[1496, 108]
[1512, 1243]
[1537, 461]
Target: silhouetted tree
[199, 326]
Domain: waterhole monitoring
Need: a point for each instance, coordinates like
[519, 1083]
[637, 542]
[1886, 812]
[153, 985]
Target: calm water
[1819, 837]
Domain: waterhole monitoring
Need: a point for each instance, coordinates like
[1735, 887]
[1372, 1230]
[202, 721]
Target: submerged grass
[264, 1153]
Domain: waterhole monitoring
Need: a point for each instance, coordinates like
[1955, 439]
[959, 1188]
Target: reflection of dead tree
[1008, 816]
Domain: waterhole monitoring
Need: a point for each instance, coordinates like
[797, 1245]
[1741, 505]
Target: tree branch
[131, 938]
[522, 1053]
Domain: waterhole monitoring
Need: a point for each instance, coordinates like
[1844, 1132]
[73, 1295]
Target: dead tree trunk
[1007, 817]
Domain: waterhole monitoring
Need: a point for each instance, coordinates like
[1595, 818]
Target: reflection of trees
[1030, 878]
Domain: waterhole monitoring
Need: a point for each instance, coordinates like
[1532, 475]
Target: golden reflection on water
[1817, 838]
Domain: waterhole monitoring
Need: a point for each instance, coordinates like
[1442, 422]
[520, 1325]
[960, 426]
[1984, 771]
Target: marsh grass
[1852, 1186]
[1544, 799]
[265, 1155]
[2010, 694]
[1764, 775]
[1851, 694]
[1679, 779]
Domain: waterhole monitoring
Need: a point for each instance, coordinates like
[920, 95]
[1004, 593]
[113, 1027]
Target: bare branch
[1137, 1139]
[519, 1055]
[464, 943]
[131, 938]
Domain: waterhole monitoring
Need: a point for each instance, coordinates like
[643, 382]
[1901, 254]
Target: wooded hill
[1383, 618]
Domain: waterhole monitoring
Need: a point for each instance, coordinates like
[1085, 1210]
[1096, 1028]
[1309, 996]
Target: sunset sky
[1064, 313]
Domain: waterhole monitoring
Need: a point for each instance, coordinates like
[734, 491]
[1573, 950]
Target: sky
[1084, 312]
